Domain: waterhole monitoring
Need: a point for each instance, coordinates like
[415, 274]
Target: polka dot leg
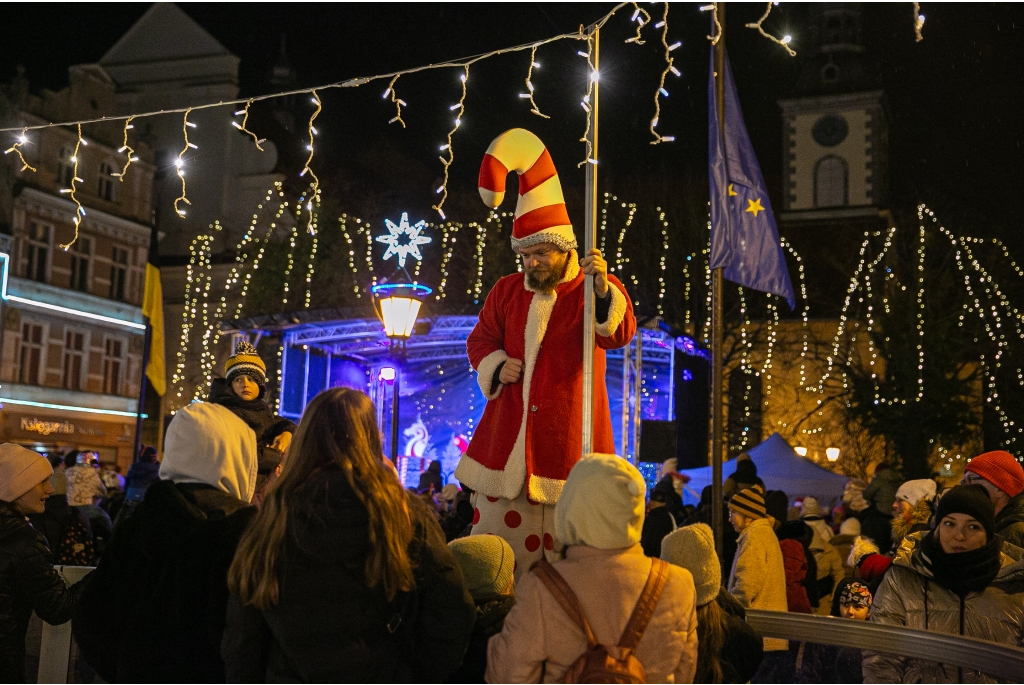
[527, 526]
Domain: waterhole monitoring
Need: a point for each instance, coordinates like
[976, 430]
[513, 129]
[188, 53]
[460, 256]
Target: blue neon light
[68, 407]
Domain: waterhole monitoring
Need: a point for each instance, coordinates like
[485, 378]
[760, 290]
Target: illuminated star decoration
[754, 206]
[404, 250]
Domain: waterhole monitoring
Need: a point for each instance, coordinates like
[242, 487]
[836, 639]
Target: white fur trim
[561, 236]
[545, 490]
[616, 313]
[572, 269]
[485, 373]
[479, 477]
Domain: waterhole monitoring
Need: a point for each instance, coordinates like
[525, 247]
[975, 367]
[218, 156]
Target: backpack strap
[561, 591]
[645, 605]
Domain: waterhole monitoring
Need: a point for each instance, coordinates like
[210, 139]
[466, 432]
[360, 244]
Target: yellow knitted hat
[246, 361]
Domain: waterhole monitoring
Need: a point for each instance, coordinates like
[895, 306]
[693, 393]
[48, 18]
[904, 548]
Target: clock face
[830, 130]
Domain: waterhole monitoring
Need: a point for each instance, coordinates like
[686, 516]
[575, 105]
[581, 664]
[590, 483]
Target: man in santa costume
[527, 349]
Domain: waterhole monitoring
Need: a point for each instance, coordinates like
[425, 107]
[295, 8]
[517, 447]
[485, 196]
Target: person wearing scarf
[959, 578]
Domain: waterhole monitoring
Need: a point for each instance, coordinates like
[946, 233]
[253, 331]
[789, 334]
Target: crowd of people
[261, 551]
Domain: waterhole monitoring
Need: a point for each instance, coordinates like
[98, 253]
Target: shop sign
[34, 425]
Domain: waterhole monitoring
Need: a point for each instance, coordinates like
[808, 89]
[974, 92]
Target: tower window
[830, 182]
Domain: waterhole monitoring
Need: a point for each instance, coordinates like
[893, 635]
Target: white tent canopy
[781, 469]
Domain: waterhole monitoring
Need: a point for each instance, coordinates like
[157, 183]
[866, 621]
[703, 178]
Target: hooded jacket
[28, 582]
[795, 563]
[909, 597]
[328, 625]
[914, 522]
[164, 573]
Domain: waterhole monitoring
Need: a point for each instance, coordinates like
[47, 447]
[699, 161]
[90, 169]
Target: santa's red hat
[540, 215]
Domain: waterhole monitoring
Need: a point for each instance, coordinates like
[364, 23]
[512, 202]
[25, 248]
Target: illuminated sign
[411, 247]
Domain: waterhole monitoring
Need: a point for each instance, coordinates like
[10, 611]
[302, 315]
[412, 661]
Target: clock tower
[835, 154]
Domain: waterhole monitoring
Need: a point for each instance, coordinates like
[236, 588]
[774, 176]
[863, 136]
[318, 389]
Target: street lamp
[398, 305]
[832, 453]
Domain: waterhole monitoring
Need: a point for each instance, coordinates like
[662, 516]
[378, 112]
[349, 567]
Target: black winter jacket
[28, 582]
[68, 532]
[1010, 521]
[329, 626]
[155, 611]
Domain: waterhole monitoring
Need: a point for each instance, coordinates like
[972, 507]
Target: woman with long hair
[728, 650]
[340, 572]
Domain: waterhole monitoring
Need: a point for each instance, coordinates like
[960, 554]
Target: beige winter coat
[996, 614]
[539, 641]
[758, 576]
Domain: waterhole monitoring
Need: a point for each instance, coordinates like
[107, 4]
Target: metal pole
[672, 379]
[624, 436]
[638, 379]
[147, 340]
[394, 416]
[589, 241]
[717, 328]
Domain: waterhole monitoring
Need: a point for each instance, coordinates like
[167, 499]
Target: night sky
[955, 99]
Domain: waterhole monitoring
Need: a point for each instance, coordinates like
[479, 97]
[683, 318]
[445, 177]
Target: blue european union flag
[744, 238]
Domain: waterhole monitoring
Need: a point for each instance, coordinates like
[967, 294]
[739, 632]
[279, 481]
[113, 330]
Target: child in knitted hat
[487, 563]
[242, 390]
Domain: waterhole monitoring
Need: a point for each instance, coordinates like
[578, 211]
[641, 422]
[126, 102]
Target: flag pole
[589, 242]
[717, 327]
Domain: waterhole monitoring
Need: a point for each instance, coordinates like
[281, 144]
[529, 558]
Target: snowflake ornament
[410, 247]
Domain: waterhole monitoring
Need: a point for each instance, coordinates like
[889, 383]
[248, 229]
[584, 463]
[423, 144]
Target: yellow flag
[153, 308]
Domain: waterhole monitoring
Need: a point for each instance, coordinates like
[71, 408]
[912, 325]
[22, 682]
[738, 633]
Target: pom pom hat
[541, 216]
[246, 361]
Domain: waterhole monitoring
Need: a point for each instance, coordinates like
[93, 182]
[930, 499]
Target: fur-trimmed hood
[902, 526]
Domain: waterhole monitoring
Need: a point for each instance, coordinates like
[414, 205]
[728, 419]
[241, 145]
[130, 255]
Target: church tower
[835, 152]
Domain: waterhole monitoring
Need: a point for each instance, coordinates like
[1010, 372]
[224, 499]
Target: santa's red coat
[537, 448]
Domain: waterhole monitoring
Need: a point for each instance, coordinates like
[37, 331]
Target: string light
[241, 127]
[130, 156]
[641, 17]
[395, 99]
[481, 238]
[79, 211]
[291, 258]
[529, 86]
[315, 193]
[310, 267]
[22, 139]
[588, 55]
[918, 22]
[461, 106]
[180, 163]
[784, 41]
[713, 7]
[343, 220]
[664, 257]
[663, 24]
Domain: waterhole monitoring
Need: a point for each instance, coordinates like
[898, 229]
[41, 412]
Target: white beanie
[20, 470]
[913, 491]
[811, 507]
[602, 503]
[850, 526]
[693, 548]
[206, 443]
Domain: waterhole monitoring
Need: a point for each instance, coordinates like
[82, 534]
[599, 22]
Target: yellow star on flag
[731, 191]
[754, 206]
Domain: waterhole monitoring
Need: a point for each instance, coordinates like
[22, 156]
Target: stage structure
[441, 402]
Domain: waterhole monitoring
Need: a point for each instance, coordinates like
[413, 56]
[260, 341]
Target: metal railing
[55, 646]
[991, 658]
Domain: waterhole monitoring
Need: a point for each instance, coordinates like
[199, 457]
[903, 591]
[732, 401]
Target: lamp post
[398, 305]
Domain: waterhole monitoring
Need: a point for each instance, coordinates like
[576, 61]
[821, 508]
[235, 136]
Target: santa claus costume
[530, 435]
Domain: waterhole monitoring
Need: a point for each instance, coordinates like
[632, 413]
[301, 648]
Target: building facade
[71, 343]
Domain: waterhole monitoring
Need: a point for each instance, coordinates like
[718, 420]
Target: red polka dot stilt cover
[540, 215]
[526, 525]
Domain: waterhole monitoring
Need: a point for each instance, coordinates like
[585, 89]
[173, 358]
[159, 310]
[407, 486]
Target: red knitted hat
[1001, 469]
[540, 215]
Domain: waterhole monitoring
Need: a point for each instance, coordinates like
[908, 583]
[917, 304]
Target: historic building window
[81, 255]
[830, 182]
[107, 182]
[65, 167]
[37, 251]
[118, 273]
[31, 355]
[113, 360]
[74, 359]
